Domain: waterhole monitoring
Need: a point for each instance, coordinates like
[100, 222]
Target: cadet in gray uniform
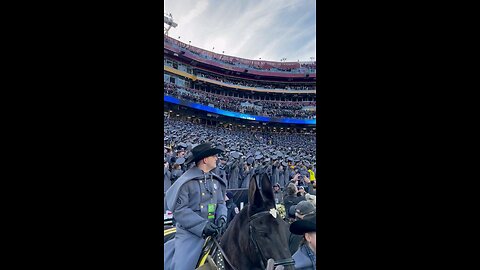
[197, 200]
[167, 182]
[305, 257]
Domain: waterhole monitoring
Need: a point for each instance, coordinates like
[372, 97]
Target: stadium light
[168, 20]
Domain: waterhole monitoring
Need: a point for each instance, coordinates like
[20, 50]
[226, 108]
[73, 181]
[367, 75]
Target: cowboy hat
[202, 151]
[302, 226]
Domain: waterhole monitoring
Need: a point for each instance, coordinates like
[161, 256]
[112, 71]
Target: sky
[251, 29]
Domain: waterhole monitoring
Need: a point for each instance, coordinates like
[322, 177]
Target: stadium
[226, 90]
[258, 119]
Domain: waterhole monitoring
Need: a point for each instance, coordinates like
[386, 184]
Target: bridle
[263, 260]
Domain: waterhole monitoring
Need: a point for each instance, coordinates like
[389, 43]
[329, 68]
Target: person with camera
[293, 196]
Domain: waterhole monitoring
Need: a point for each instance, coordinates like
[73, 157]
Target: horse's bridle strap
[223, 254]
[289, 261]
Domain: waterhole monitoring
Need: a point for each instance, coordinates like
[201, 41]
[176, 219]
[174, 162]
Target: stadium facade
[216, 89]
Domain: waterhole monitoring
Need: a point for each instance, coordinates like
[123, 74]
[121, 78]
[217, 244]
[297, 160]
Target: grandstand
[224, 90]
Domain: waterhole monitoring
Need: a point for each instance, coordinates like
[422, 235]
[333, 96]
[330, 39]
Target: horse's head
[267, 230]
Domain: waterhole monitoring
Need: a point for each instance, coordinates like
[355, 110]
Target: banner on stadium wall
[237, 114]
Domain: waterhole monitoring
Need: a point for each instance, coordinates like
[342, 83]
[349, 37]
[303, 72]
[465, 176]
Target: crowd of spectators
[264, 148]
[309, 65]
[255, 85]
[271, 108]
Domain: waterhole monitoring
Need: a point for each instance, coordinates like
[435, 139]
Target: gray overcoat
[276, 175]
[188, 199]
[233, 175]
[246, 179]
[302, 260]
[281, 178]
[166, 180]
[286, 176]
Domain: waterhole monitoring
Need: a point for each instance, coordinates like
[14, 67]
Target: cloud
[197, 10]
[270, 29]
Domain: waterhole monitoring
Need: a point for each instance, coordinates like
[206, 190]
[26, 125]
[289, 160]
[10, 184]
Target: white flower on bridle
[273, 212]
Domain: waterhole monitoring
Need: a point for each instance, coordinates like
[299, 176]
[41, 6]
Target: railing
[235, 86]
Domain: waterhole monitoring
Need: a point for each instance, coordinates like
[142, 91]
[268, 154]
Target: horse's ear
[254, 196]
[267, 189]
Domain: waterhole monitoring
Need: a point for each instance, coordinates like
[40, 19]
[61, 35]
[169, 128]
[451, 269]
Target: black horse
[257, 233]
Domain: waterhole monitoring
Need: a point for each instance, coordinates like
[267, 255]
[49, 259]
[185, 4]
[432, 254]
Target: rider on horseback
[197, 200]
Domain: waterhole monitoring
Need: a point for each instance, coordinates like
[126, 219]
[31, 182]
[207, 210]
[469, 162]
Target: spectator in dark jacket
[291, 197]
[232, 209]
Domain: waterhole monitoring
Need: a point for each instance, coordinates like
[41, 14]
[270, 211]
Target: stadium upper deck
[258, 69]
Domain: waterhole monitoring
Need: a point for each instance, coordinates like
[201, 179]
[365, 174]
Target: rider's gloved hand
[222, 224]
[270, 265]
[210, 229]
